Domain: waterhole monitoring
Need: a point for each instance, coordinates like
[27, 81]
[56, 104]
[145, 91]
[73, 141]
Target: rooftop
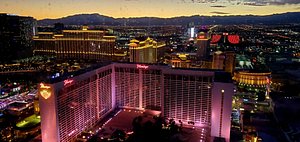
[17, 106]
[220, 76]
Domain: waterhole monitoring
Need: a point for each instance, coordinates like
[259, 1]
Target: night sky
[41, 9]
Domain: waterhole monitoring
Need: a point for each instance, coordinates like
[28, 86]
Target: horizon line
[176, 16]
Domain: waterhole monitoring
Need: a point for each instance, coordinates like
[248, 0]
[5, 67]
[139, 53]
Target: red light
[233, 39]
[138, 66]
[68, 81]
[215, 38]
[201, 37]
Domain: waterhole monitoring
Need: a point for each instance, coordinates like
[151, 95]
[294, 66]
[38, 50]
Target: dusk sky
[41, 9]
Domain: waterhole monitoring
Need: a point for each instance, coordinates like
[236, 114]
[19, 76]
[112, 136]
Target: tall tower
[191, 30]
[218, 60]
[144, 50]
[229, 61]
[16, 34]
[202, 44]
[222, 93]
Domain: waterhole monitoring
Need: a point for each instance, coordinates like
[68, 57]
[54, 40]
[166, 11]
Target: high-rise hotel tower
[200, 96]
[145, 50]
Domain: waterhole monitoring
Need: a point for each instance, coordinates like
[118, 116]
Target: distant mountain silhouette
[97, 19]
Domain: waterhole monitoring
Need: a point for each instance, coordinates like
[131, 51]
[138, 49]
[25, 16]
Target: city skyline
[149, 70]
[150, 8]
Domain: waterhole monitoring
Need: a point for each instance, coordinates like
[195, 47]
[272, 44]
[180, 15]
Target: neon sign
[68, 81]
[43, 86]
[142, 66]
[45, 94]
[201, 37]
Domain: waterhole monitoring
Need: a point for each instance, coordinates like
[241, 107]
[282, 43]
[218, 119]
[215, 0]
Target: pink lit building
[73, 105]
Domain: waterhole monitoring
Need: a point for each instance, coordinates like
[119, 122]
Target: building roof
[220, 76]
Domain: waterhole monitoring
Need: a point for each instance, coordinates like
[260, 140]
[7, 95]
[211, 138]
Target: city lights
[205, 70]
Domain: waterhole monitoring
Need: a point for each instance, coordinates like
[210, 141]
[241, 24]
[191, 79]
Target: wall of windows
[127, 87]
[80, 105]
[187, 98]
[151, 89]
[104, 90]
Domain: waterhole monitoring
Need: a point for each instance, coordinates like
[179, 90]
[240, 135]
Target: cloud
[219, 12]
[285, 1]
[255, 4]
[218, 6]
[271, 2]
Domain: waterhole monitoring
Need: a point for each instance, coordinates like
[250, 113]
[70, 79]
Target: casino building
[77, 44]
[200, 96]
[145, 50]
[252, 78]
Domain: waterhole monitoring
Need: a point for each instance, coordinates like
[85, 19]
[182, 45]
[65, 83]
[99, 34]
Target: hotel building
[200, 96]
[202, 43]
[15, 37]
[224, 61]
[218, 60]
[229, 61]
[256, 79]
[77, 44]
[180, 60]
[144, 50]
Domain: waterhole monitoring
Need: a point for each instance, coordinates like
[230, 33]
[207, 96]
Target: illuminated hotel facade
[255, 79]
[198, 96]
[144, 51]
[218, 60]
[202, 43]
[77, 44]
[224, 61]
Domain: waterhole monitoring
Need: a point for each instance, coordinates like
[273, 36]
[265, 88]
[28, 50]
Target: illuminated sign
[68, 81]
[142, 66]
[201, 37]
[45, 94]
[43, 86]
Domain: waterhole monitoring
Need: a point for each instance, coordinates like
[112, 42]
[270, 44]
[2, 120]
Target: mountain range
[97, 19]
